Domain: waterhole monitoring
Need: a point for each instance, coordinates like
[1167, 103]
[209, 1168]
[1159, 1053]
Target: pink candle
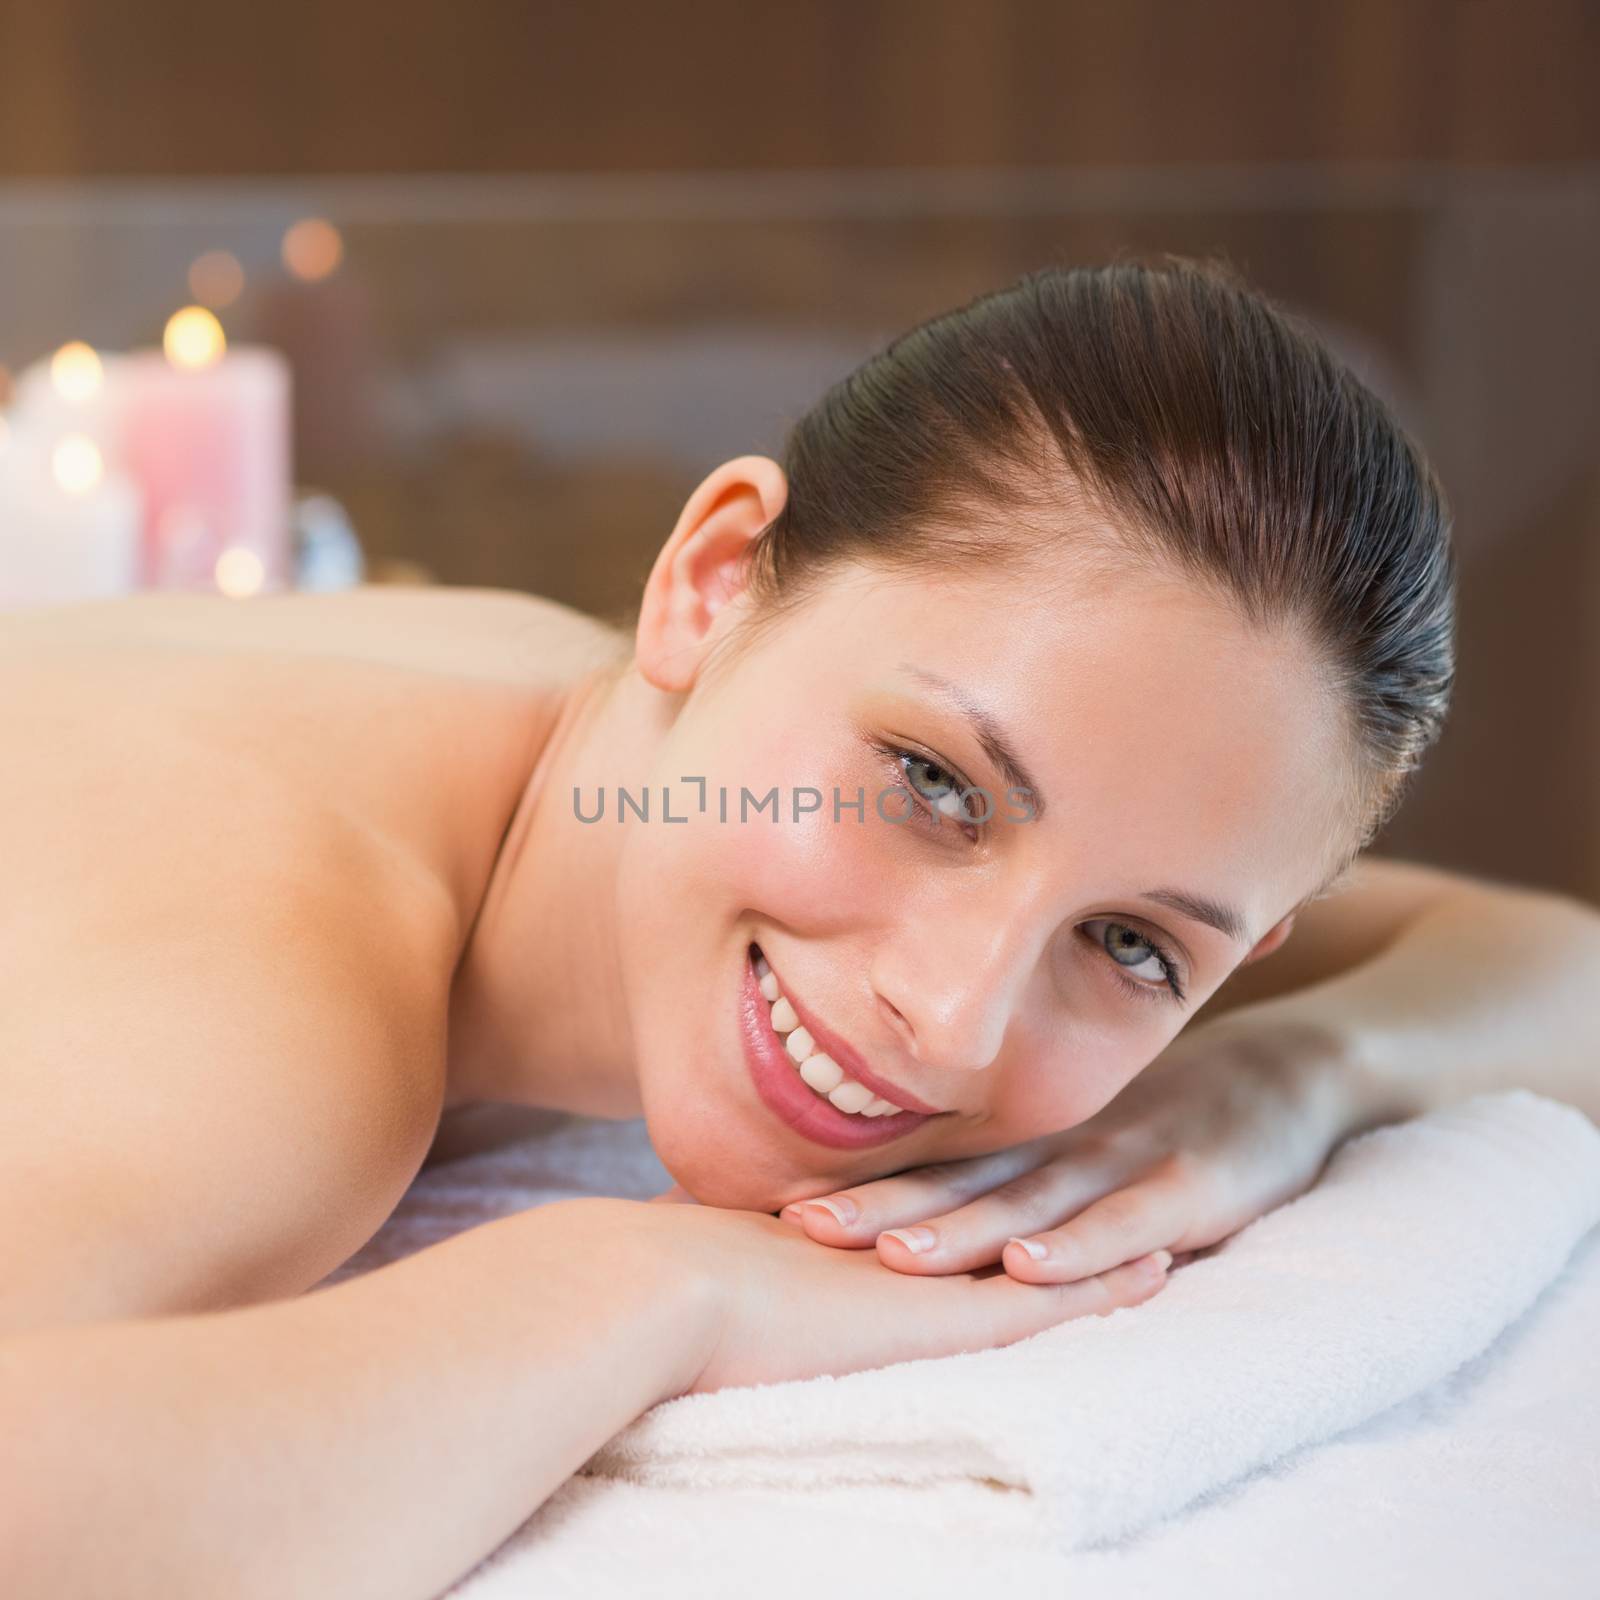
[205, 436]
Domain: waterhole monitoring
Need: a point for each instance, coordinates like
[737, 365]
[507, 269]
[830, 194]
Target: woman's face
[1010, 975]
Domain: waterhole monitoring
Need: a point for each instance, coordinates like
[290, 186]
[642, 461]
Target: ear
[696, 575]
[1270, 940]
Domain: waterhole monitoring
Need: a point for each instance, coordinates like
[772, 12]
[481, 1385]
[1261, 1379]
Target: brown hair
[1215, 432]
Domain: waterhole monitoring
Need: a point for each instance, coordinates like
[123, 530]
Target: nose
[951, 987]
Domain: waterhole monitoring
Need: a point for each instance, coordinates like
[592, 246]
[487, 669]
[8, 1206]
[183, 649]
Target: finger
[858, 1215]
[975, 1234]
[1038, 1307]
[1126, 1224]
[946, 1316]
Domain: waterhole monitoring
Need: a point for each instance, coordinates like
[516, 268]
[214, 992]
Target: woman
[1105, 620]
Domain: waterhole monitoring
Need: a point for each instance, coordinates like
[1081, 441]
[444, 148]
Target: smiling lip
[793, 1100]
[852, 1064]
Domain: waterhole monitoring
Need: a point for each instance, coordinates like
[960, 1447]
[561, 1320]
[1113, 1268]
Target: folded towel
[1421, 1242]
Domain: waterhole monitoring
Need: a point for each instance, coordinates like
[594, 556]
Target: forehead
[1178, 740]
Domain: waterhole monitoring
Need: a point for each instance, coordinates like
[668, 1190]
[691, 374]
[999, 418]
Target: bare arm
[374, 1438]
[1370, 907]
[379, 1437]
[1432, 987]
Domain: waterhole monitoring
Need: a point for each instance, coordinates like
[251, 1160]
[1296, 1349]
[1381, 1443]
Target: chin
[716, 1157]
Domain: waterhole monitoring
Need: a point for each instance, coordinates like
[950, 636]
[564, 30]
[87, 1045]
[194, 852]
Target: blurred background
[476, 295]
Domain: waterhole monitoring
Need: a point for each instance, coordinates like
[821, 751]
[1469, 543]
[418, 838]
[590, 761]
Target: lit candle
[70, 393]
[69, 530]
[204, 432]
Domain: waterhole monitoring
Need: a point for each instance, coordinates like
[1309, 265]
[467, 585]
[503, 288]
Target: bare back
[241, 845]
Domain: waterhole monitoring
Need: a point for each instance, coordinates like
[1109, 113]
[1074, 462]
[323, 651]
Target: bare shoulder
[241, 845]
[159, 744]
[473, 633]
[212, 1100]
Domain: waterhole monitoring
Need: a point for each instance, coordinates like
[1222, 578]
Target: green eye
[939, 794]
[1133, 953]
[936, 786]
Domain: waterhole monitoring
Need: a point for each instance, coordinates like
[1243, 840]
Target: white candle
[70, 392]
[69, 531]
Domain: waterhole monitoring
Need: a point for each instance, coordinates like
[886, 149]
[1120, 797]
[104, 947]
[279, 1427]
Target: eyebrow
[986, 728]
[1199, 908]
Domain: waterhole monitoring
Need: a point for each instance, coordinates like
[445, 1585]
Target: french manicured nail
[916, 1240]
[839, 1207]
[1033, 1246]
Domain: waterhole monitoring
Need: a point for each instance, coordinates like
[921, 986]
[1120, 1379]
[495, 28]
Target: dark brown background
[95, 86]
[536, 198]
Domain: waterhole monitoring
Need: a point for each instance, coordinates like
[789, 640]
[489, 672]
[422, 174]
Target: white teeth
[822, 1072]
[819, 1070]
[851, 1096]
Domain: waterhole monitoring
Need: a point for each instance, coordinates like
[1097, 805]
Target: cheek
[813, 875]
[1060, 1082]
[812, 871]
[690, 893]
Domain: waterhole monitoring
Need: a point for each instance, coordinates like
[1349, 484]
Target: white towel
[1480, 1486]
[1421, 1242]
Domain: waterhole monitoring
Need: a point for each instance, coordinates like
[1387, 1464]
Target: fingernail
[841, 1209]
[915, 1240]
[1159, 1261]
[1034, 1247]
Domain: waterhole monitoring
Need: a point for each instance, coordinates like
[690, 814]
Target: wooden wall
[159, 87]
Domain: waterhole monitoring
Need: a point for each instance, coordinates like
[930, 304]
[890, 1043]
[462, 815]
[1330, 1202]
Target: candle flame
[239, 573]
[77, 464]
[194, 338]
[76, 372]
[312, 249]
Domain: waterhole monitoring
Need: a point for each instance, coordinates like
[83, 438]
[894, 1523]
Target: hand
[1227, 1123]
[784, 1310]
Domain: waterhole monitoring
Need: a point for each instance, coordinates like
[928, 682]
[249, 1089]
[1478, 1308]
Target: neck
[538, 1012]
